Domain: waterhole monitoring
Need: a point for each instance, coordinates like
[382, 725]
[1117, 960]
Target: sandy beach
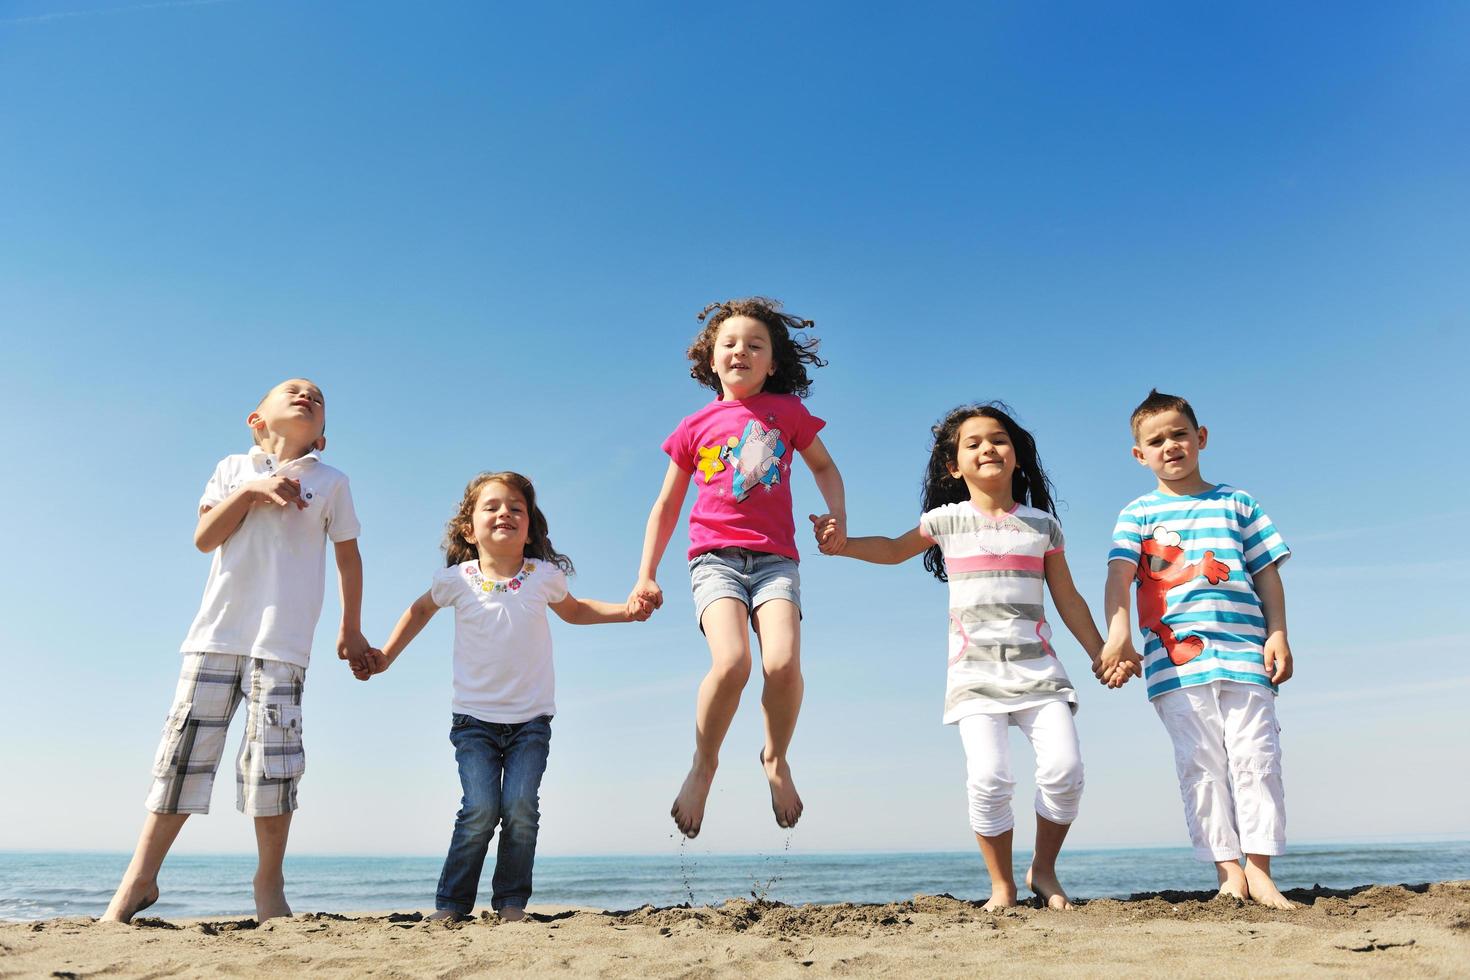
[1422, 930]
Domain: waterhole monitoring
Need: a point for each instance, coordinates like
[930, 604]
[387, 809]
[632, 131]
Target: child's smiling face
[1169, 445]
[500, 522]
[742, 358]
[985, 457]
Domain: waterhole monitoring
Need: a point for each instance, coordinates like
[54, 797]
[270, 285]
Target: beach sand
[1422, 930]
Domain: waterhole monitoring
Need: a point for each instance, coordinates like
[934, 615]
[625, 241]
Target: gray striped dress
[1000, 653]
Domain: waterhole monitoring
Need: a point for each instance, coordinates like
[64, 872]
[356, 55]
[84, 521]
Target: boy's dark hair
[1157, 402]
[791, 351]
[538, 539]
[1029, 483]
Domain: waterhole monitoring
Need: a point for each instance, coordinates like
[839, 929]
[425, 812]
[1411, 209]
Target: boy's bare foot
[129, 901]
[450, 914]
[785, 803]
[1263, 890]
[1232, 880]
[1000, 898]
[512, 913]
[270, 900]
[688, 808]
[1048, 889]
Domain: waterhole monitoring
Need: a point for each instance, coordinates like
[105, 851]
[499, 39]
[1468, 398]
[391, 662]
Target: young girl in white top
[502, 574]
[989, 529]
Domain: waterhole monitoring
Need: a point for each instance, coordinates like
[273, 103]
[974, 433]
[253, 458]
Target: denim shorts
[753, 577]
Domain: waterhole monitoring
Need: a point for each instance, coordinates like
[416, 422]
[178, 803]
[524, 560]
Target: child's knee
[990, 803]
[521, 813]
[781, 673]
[733, 669]
[479, 815]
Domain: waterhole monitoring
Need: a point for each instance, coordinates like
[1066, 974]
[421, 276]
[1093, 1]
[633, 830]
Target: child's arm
[588, 612]
[217, 523]
[1118, 656]
[878, 549]
[352, 646]
[409, 625]
[1071, 606]
[661, 522]
[1273, 603]
[831, 527]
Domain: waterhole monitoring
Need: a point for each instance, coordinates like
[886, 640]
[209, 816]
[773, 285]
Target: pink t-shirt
[739, 453]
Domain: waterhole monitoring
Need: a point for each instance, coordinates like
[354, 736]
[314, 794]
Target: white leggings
[1053, 736]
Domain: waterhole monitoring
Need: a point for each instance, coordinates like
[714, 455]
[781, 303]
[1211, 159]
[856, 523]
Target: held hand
[354, 648]
[830, 532]
[647, 589]
[639, 607]
[1122, 672]
[281, 491]
[1117, 662]
[1278, 658]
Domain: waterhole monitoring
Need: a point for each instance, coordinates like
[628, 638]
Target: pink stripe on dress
[995, 563]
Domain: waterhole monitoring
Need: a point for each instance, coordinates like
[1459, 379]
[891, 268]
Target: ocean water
[45, 885]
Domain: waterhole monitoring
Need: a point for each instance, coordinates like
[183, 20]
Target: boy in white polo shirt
[266, 515]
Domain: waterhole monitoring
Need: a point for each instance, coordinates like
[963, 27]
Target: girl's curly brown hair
[791, 351]
[458, 549]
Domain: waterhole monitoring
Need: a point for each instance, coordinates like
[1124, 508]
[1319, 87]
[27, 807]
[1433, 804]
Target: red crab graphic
[1160, 568]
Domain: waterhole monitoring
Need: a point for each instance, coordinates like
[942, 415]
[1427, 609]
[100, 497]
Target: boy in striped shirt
[1213, 612]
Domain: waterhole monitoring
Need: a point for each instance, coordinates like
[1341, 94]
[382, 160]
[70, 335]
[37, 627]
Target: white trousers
[1053, 737]
[1227, 752]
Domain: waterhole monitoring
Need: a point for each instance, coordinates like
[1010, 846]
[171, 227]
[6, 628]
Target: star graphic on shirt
[709, 461]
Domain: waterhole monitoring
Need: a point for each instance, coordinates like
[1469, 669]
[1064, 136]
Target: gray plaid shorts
[271, 760]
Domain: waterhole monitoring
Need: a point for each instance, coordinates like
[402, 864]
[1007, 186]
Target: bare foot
[1232, 880]
[1048, 889]
[512, 913]
[785, 802]
[129, 901]
[1000, 898]
[688, 808]
[450, 914]
[270, 900]
[1263, 890]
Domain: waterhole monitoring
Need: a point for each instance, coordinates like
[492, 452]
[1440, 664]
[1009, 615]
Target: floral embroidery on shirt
[479, 581]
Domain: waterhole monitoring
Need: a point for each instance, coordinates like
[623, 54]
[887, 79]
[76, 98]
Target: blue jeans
[500, 768]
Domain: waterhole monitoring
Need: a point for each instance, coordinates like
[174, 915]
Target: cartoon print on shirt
[756, 459]
[1161, 566]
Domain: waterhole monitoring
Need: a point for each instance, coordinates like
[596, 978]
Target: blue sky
[485, 232]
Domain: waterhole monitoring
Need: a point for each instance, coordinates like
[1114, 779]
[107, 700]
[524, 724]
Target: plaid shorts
[271, 760]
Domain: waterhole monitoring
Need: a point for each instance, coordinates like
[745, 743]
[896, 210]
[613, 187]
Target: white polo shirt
[264, 594]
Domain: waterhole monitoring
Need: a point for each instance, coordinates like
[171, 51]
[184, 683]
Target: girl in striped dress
[989, 529]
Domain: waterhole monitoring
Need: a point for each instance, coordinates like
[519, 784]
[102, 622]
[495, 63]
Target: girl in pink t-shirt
[742, 539]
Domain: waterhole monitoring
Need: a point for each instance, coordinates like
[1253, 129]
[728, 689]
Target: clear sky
[485, 230]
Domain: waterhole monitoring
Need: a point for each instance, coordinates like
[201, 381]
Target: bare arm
[352, 646]
[1277, 651]
[831, 526]
[661, 523]
[217, 523]
[884, 551]
[588, 612]
[1117, 607]
[409, 625]
[1071, 606]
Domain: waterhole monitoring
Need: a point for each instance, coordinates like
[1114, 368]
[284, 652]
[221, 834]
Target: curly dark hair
[791, 351]
[538, 540]
[1029, 483]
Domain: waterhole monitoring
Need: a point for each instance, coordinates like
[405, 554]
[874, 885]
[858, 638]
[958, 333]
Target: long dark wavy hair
[791, 349]
[538, 539]
[1029, 483]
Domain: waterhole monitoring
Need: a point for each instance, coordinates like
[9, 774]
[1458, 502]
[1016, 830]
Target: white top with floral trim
[502, 642]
